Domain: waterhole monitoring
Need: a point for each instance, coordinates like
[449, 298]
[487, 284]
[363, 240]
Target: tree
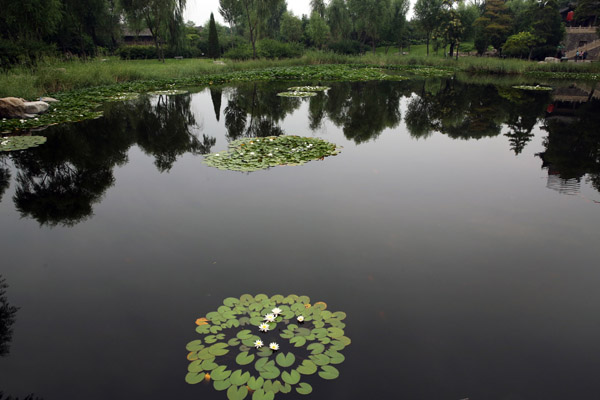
[370, 17]
[214, 50]
[164, 18]
[520, 45]
[587, 11]
[318, 6]
[250, 13]
[397, 21]
[318, 30]
[428, 14]
[495, 23]
[291, 28]
[338, 19]
[547, 26]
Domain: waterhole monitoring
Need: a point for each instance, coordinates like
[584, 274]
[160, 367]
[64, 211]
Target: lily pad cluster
[170, 92]
[304, 341]
[252, 154]
[303, 91]
[534, 88]
[13, 143]
[124, 97]
[309, 89]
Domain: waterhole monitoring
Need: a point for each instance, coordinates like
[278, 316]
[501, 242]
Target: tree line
[31, 29]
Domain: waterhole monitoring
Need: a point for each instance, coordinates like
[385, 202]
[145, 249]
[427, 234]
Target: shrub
[243, 52]
[353, 47]
[269, 48]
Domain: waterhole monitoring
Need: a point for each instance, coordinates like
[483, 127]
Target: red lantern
[570, 15]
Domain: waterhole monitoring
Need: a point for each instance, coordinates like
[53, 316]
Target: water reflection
[572, 148]
[7, 320]
[254, 111]
[59, 183]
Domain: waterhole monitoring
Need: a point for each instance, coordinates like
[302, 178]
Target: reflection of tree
[164, 130]
[28, 397]
[364, 109]
[216, 95]
[256, 112]
[524, 108]
[458, 110]
[60, 181]
[4, 179]
[572, 148]
[7, 320]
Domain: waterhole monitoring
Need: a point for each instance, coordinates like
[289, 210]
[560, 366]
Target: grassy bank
[53, 76]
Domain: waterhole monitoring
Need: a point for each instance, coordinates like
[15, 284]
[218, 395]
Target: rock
[551, 60]
[36, 107]
[48, 100]
[12, 107]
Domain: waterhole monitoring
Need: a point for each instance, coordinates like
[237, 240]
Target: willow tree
[163, 18]
[428, 14]
[250, 13]
[338, 18]
[370, 17]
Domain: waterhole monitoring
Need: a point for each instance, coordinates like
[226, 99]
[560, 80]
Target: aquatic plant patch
[124, 97]
[171, 92]
[296, 94]
[534, 88]
[252, 154]
[309, 89]
[259, 346]
[14, 143]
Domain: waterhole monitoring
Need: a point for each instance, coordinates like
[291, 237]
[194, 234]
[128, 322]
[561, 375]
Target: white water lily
[264, 327]
[270, 318]
[274, 346]
[300, 318]
[270, 154]
[258, 344]
[4, 143]
[276, 311]
[251, 153]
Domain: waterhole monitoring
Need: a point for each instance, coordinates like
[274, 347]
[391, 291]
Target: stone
[12, 107]
[36, 107]
[48, 100]
[551, 60]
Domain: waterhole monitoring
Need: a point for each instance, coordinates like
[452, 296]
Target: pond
[457, 229]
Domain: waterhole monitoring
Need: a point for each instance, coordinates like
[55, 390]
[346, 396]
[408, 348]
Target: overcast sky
[199, 10]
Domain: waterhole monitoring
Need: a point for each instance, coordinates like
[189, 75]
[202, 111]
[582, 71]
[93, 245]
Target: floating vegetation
[124, 97]
[14, 143]
[253, 154]
[171, 92]
[530, 87]
[309, 89]
[286, 355]
[296, 94]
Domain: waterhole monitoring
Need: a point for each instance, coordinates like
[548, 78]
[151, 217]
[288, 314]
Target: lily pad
[253, 154]
[14, 143]
[309, 88]
[296, 94]
[533, 88]
[239, 359]
[171, 92]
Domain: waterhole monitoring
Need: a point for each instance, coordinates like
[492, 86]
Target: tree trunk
[457, 46]
[427, 44]
[373, 44]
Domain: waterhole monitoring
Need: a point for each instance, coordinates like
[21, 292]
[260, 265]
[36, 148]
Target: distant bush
[540, 53]
[352, 47]
[243, 52]
[149, 52]
[269, 48]
[23, 53]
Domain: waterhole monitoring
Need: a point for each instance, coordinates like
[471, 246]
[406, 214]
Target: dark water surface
[458, 229]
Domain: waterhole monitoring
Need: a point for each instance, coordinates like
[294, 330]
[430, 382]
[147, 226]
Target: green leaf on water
[328, 372]
[194, 345]
[316, 348]
[291, 377]
[298, 341]
[260, 394]
[255, 383]
[285, 360]
[319, 359]
[220, 373]
[304, 388]
[237, 393]
[218, 349]
[194, 377]
[307, 368]
[244, 358]
[222, 385]
[238, 377]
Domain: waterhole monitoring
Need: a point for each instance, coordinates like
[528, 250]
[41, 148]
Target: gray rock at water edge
[14, 107]
[552, 60]
[36, 107]
[48, 100]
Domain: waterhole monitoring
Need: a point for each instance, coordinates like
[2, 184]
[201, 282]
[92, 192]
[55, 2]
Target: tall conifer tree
[214, 50]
